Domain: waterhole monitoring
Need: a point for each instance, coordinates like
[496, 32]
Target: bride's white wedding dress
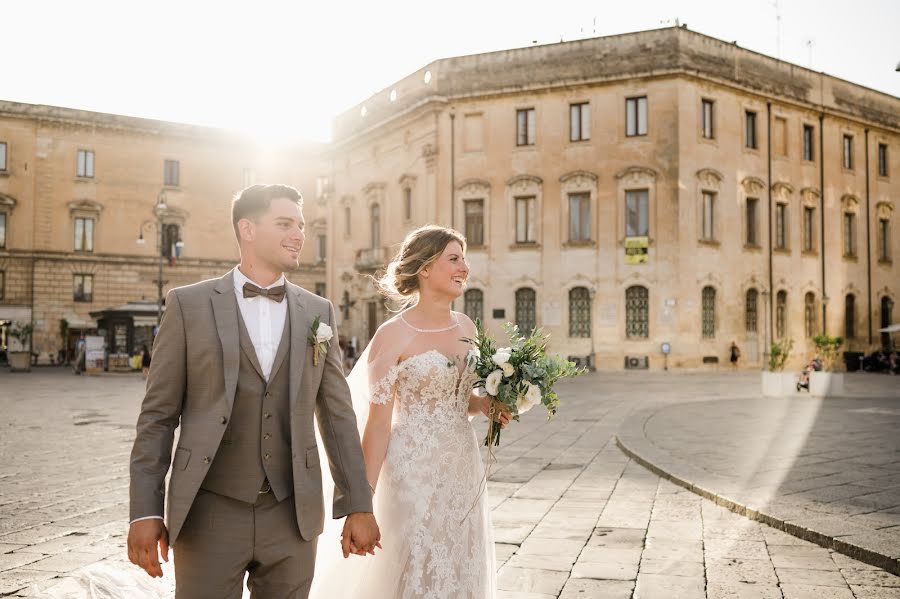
[430, 501]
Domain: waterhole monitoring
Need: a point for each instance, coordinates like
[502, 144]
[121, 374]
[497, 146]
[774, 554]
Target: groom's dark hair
[254, 200]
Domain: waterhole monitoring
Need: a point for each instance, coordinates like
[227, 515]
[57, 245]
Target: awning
[16, 313]
[145, 321]
[890, 329]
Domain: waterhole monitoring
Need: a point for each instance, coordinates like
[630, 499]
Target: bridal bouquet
[520, 376]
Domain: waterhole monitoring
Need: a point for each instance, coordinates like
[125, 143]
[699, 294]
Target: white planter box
[19, 361]
[826, 384]
[779, 384]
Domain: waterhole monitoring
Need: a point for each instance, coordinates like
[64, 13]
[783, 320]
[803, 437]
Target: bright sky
[286, 69]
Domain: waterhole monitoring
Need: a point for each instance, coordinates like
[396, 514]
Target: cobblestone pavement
[573, 515]
[827, 466]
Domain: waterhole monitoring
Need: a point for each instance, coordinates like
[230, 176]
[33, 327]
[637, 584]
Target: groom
[236, 364]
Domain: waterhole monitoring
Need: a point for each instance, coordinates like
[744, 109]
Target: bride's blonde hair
[400, 281]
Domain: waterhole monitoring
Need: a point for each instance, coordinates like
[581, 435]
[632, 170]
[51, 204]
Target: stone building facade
[631, 191]
[78, 189]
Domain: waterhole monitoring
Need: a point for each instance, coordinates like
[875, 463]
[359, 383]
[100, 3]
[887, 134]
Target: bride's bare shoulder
[466, 323]
[388, 333]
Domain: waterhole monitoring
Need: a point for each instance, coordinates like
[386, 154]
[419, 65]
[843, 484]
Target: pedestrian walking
[735, 354]
[145, 361]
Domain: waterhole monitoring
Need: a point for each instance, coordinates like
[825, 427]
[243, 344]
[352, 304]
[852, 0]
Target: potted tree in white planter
[775, 382]
[827, 382]
[20, 361]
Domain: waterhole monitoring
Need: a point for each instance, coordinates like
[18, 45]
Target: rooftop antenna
[677, 22]
[777, 29]
[810, 43]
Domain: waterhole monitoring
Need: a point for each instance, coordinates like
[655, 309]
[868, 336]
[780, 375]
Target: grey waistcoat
[257, 440]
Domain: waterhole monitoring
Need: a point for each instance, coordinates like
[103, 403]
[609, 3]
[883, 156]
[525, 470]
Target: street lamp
[148, 225]
[767, 344]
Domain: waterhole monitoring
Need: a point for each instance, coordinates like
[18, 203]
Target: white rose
[507, 369]
[472, 357]
[323, 333]
[492, 384]
[523, 404]
[502, 356]
[533, 394]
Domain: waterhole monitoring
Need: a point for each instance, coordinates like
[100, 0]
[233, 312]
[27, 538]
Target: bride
[422, 457]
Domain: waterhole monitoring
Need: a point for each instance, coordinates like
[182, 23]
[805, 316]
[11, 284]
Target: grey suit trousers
[223, 538]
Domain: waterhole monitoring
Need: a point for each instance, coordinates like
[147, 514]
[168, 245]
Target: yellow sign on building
[636, 250]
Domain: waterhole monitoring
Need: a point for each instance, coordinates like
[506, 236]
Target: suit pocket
[312, 457]
[182, 457]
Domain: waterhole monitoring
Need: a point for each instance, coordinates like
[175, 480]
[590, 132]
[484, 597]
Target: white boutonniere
[319, 337]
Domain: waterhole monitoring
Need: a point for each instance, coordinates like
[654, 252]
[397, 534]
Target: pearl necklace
[418, 330]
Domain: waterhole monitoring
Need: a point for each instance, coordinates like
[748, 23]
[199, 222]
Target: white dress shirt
[263, 318]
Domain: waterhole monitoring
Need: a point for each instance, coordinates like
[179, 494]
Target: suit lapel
[247, 344]
[225, 310]
[299, 329]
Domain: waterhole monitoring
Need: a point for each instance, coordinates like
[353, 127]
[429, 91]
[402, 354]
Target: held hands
[502, 414]
[143, 538]
[361, 534]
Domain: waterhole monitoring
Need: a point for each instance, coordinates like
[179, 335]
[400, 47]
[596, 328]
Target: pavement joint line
[873, 558]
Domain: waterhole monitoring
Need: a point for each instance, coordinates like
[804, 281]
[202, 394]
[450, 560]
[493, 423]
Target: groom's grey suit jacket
[192, 383]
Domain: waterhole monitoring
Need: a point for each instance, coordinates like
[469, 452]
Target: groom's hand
[361, 534]
[143, 538]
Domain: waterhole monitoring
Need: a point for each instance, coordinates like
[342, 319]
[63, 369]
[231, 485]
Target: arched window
[637, 308]
[781, 314]
[376, 226]
[850, 316]
[579, 312]
[809, 314]
[751, 310]
[708, 312]
[473, 304]
[525, 310]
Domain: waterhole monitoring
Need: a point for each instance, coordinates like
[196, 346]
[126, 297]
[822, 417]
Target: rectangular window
[750, 129]
[848, 152]
[579, 122]
[2, 230]
[636, 116]
[882, 160]
[525, 127]
[321, 247]
[84, 164]
[474, 219]
[407, 203]
[709, 211]
[808, 140]
[884, 239]
[706, 119]
[809, 229]
[779, 137]
[752, 211]
[525, 220]
[320, 289]
[171, 173]
[781, 226]
[3, 166]
[83, 288]
[84, 235]
[849, 234]
[637, 213]
[579, 217]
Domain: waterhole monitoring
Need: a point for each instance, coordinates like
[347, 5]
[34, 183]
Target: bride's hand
[501, 412]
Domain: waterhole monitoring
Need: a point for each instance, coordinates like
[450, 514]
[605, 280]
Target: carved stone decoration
[475, 188]
[577, 180]
[85, 207]
[850, 202]
[523, 184]
[710, 178]
[810, 196]
[374, 192]
[782, 191]
[430, 153]
[7, 202]
[407, 181]
[753, 185]
[637, 175]
[884, 209]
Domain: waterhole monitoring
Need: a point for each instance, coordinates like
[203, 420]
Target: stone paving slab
[574, 516]
[826, 470]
